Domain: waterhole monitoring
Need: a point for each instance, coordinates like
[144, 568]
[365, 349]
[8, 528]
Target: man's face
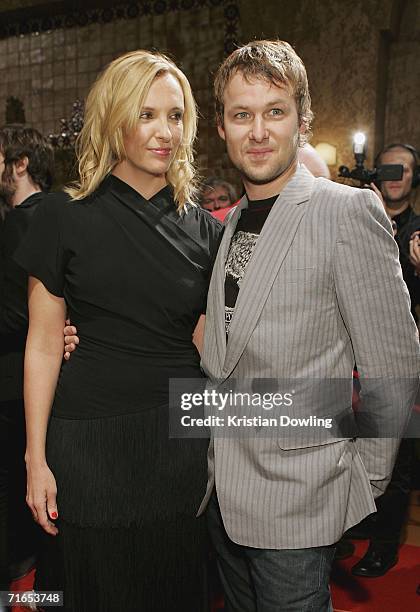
[7, 182]
[397, 191]
[261, 128]
[215, 198]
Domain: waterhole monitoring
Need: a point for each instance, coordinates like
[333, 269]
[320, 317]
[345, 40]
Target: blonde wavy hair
[113, 106]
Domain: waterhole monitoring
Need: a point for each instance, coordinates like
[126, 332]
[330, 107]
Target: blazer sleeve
[375, 307]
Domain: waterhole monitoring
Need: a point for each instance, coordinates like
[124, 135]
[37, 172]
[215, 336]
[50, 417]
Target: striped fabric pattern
[322, 285]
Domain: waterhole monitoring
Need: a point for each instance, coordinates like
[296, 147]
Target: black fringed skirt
[128, 537]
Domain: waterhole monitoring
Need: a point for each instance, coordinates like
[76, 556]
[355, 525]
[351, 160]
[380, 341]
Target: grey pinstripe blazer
[323, 290]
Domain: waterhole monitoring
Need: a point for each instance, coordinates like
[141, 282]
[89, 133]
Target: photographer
[387, 524]
[398, 197]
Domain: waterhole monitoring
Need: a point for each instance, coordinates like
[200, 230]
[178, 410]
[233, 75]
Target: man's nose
[259, 131]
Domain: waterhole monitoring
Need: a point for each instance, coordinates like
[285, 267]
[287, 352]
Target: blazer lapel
[215, 318]
[270, 250]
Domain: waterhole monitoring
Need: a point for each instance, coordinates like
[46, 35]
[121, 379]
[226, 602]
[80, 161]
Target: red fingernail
[54, 515]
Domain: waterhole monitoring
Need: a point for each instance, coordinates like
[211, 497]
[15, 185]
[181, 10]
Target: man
[398, 198]
[25, 173]
[313, 161]
[284, 303]
[294, 309]
[218, 197]
[384, 529]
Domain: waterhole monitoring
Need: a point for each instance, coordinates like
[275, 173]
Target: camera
[384, 172]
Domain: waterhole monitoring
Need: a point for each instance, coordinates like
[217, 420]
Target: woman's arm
[43, 356]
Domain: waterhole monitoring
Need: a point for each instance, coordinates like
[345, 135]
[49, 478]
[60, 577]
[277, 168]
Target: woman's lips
[161, 152]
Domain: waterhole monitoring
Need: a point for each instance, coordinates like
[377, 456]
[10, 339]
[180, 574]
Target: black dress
[134, 274]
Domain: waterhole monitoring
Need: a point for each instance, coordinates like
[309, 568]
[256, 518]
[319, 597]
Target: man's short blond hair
[274, 61]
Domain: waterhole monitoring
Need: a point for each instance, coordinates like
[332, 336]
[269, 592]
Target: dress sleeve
[215, 231]
[42, 254]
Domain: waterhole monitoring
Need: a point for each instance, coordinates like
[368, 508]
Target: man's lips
[259, 151]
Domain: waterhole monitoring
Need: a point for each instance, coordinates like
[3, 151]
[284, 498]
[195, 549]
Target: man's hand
[415, 251]
[378, 193]
[380, 196]
[71, 339]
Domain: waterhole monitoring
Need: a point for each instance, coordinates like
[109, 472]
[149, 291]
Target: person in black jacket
[26, 160]
[398, 198]
[386, 527]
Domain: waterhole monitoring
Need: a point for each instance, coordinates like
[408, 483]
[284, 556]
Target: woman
[125, 252]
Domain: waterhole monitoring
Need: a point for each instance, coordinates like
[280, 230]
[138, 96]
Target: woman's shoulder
[196, 214]
[61, 204]
[206, 229]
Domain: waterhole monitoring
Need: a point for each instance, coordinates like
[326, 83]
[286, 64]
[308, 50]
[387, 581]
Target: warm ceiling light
[327, 152]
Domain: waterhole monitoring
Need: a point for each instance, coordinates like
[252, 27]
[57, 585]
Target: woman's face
[152, 145]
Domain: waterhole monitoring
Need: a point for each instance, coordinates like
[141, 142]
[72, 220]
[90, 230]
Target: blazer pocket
[297, 275]
[291, 444]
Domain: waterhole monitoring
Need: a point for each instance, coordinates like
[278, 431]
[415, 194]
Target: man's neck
[396, 208]
[23, 192]
[268, 190]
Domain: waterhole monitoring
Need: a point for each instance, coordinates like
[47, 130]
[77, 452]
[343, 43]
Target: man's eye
[276, 112]
[242, 115]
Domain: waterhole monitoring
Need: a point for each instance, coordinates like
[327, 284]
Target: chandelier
[69, 128]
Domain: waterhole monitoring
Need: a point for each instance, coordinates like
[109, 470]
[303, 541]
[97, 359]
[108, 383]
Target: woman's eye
[145, 115]
[177, 117]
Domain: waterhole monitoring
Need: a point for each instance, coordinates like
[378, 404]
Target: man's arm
[71, 339]
[14, 290]
[375, 307]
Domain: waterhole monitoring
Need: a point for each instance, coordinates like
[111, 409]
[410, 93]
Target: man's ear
[20, 166]
[221, 131]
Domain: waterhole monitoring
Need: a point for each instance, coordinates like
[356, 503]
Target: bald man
[313, 161]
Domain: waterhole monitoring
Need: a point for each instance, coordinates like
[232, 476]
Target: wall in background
[362, 63]
[50, 61]
[361, 58]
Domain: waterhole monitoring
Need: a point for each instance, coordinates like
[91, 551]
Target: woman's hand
[198, 335]
[41, 496]
[71, 340]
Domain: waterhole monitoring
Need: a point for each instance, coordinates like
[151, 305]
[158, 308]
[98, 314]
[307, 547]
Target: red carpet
[24, 584]
[394, 592]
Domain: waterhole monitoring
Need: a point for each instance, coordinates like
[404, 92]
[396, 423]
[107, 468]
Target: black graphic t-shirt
[241, 247]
